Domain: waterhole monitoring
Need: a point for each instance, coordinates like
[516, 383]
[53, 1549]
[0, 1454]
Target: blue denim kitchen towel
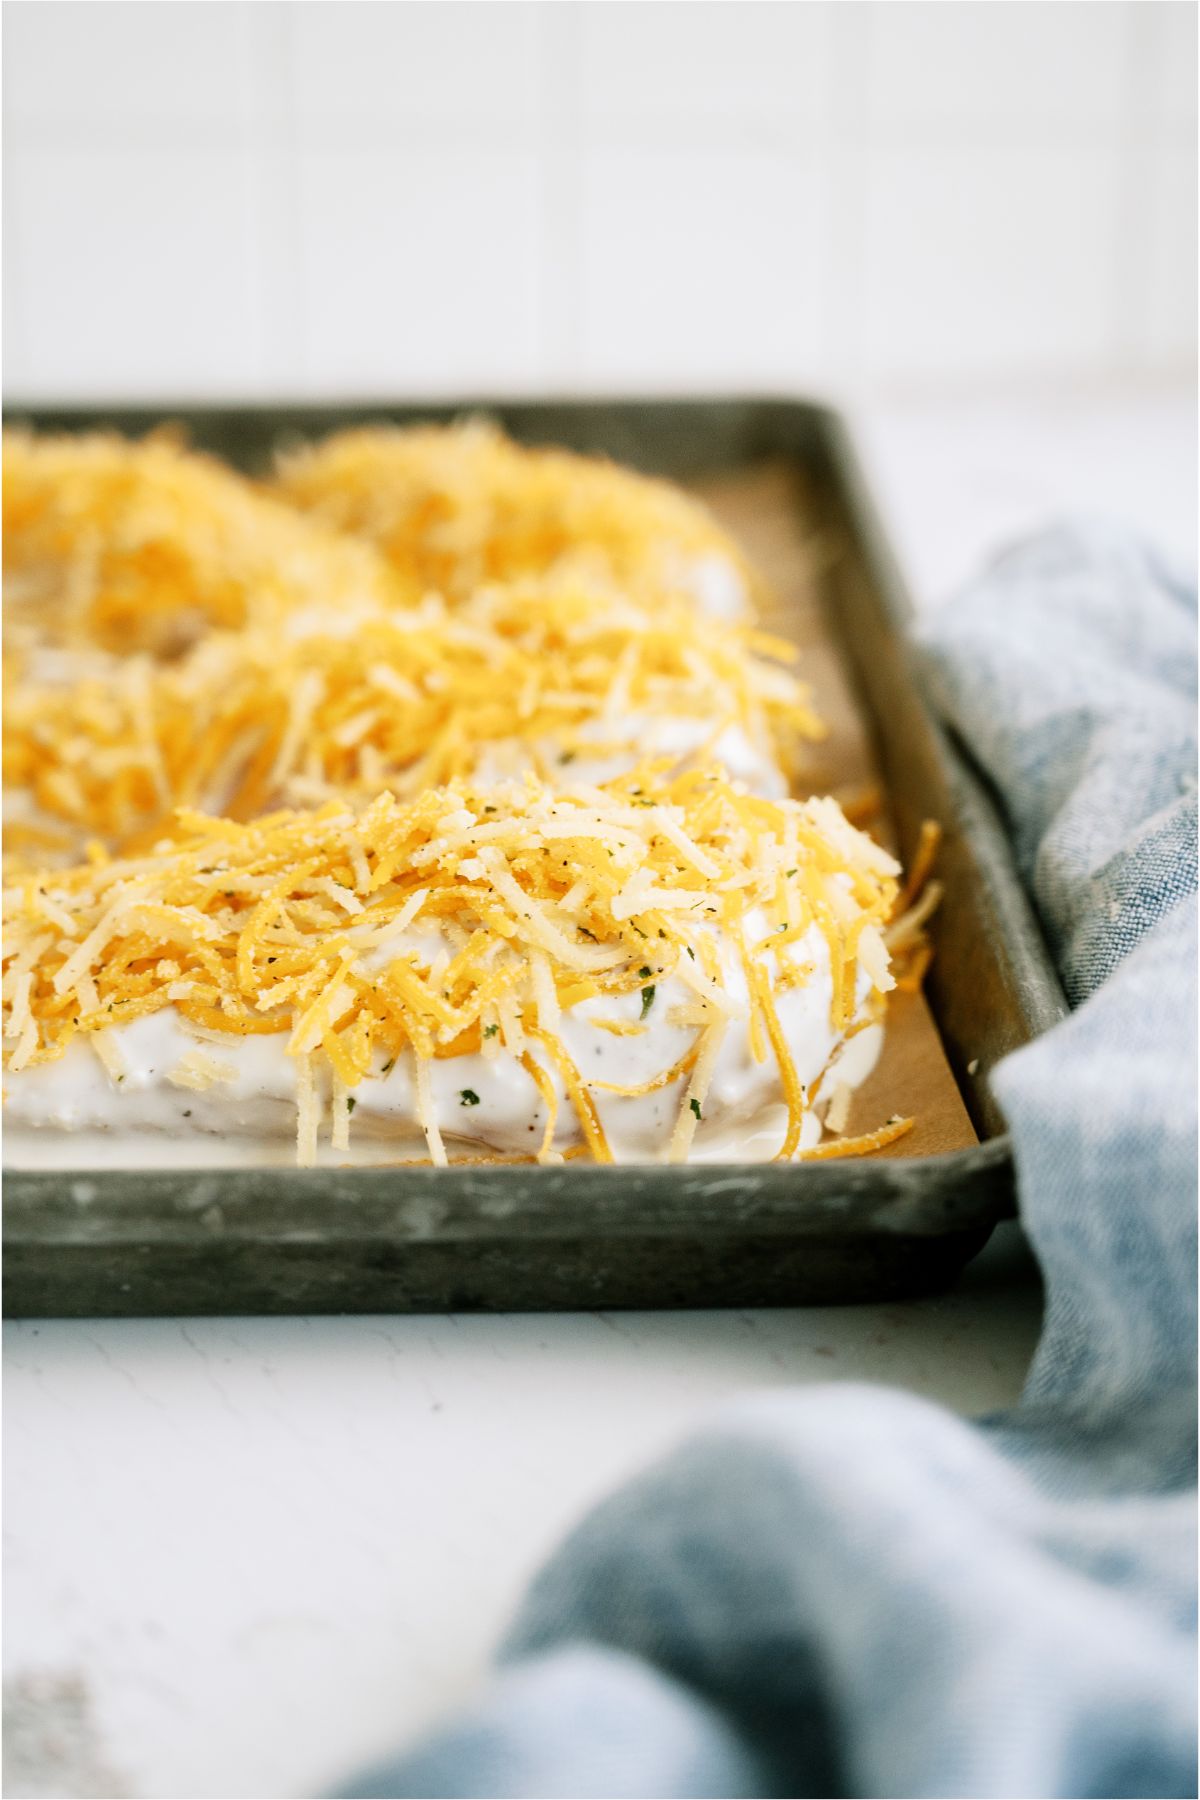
[846, 1590]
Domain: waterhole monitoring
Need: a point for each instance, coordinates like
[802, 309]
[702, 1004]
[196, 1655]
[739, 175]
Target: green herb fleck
[647, 1000]
[490, 1030]
[351, 1103]
[695, 1106]
[469, 1097]
[567, 756]
[690, 951]
[645, 970]
[793, 871]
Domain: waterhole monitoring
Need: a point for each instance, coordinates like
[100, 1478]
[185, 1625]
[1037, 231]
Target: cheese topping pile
[455, 508]
[249, 722]
[296, 923]
[406, 755]
[146, 546]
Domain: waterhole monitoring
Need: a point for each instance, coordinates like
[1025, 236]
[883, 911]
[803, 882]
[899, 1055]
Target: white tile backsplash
[699, 264]
[12, 295]
[1171, 27]
[1167, 289]
[1003, 256]
[982, 67]
[366, 68]
[119, 68]
[656, 69]
[134, 273]
[419, 273]
[261, 195]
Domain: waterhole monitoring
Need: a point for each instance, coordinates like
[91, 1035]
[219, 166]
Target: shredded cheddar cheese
[404, 756]
[425, 928]
[522, 676]
[859, 1146]
[127, 546]
[455, 508]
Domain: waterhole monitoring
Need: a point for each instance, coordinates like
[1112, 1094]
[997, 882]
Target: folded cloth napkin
[847, 1590]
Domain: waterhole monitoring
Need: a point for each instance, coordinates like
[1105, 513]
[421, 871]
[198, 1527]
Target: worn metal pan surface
[155, 1241]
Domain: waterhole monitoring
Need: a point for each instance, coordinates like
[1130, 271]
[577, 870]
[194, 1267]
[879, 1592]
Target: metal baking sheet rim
[204, 1240]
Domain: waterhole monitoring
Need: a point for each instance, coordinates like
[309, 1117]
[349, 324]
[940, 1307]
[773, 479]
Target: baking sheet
[149, 1241]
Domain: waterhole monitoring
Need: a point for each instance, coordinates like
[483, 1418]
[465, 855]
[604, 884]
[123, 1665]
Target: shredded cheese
[199, 1071]
[858, 1146]
[274, 926]
[300, 761]
[454, 508]
[249, 721]
[124, 546]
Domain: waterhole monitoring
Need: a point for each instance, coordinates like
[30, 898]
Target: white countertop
[271, 1547]
[264, 1550]
[958, 478]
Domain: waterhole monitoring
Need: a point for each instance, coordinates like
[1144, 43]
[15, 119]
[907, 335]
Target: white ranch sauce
[717, 587]
[71, 1113]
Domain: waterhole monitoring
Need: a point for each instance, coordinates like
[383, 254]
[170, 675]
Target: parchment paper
[768, 511]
